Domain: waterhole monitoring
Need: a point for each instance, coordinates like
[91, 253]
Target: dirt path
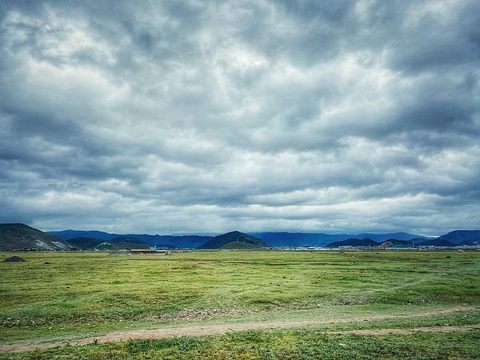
[122, 336]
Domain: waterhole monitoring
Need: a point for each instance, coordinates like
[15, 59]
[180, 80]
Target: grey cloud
[310, 10]
[428, 54]
[448, 41]
[192, 117]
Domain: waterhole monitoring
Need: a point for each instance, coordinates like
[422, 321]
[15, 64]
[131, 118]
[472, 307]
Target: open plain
[241, 304]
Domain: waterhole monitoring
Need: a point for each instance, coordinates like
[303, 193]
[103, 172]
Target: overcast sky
[177, 117]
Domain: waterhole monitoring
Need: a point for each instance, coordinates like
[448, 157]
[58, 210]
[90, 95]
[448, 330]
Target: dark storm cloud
[168, 116]
[448, 41]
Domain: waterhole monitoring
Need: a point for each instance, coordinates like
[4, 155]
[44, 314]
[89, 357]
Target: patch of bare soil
[122, 336]
[443, 329]
[190, 315]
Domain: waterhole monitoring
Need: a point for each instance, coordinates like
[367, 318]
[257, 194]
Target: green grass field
[68, 296]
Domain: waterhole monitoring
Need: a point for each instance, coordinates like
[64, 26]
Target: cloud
[170, 117]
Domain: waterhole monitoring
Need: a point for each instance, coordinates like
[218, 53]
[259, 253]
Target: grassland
[68, 296]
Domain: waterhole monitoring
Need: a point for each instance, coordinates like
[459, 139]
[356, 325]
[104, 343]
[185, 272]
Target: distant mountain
[394, 243]
[92, 234]
[277, 239]
[354, 242]
[366, 242]
[383, 237]
[171, 241]
[234, 240]
[434, 242]
[124, 242]
[166, 246]
[128, 239]
[289, 240]
[23, 237]
[462, 237]
[422, 240]
[84, 242]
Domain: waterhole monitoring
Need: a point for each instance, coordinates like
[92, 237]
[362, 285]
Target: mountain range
[292, 240]
[452, 239]
[22, 237]
[167, 241]
[121, 242]
[274, 239]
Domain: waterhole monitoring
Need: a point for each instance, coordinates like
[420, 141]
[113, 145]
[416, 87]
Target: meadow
[64, 297]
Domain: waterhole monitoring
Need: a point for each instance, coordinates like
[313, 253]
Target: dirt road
[223, 329]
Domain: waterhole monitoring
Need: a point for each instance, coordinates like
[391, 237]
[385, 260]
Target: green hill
[22, 237]
[234, 240]
[462, 237]
[394, 243]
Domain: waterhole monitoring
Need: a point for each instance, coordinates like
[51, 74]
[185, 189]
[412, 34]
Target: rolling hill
[394, 243]
[234, 240]
[462, 237]
[23, 237]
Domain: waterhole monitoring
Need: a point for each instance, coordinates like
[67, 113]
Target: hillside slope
[462, 237]
[23, 237]
[231, 238]
[394, 243]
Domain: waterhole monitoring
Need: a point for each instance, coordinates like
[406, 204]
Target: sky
[182, 117]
